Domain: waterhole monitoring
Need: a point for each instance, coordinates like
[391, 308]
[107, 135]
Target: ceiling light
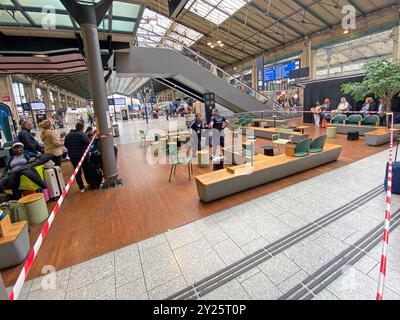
[153, 21]
[40, 55]
[209, 43]
[219, 41]
[221, 44]
[212, 46]
[346, 31]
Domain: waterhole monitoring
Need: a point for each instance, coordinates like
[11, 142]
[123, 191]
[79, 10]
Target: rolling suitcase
[54, 181]
[396, 173]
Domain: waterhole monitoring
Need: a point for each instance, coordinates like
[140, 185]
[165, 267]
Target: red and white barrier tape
[382, 271]
[33, 253]
[105, 135]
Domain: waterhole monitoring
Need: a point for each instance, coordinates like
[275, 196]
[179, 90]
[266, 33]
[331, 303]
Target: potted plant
[382, 79]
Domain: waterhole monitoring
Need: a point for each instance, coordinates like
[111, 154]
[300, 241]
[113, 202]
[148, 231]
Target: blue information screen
[280, 71]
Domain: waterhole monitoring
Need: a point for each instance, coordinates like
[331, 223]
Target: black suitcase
[92, 170]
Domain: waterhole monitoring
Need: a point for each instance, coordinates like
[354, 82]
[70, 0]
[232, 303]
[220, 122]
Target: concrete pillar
[396, 43]
[308, 58]
[46, 97]
[254, 83]
[57, 99]
[7, 91]
[29, 93]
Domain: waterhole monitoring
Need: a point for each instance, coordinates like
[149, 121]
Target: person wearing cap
[21, 163]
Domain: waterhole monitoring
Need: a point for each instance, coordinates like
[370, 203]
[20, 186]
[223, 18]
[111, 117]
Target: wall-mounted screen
[280, 71]
[38, 106]
[120, 101]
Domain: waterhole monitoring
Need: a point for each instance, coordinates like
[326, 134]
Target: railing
[211, 67]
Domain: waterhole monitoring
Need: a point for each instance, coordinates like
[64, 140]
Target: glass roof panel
[123, 26]
[125, 9]
[216, 11]
[6, 2]
[103, 27]
[42, 3]
[164, 27]
[61, 20]
[7, 19]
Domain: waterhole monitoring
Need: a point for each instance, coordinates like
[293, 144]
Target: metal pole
[100, 102]
[3, 291]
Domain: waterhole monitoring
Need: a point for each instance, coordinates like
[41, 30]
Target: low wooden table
[301, 129]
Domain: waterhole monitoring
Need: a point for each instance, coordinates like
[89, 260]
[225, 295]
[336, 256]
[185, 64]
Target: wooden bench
[222, 183]
[379, 137]
[267, 133]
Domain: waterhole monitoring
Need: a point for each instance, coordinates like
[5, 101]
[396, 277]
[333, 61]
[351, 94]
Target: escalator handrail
[206, 60]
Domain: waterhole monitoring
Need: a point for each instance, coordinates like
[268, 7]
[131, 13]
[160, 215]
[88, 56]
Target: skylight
[216, 11]
[154, 26]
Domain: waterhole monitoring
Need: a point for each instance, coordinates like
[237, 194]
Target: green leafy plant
[382, 79]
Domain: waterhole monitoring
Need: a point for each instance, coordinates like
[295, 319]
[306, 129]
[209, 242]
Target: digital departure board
[280, 71]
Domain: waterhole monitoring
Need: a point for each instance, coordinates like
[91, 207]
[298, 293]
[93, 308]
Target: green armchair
[339, 119]
[372, 120]
[317, 145]
[354, 119]
[302, 149]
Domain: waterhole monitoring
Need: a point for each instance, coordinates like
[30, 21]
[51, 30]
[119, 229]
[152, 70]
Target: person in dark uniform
[218, 124]
[197, 126]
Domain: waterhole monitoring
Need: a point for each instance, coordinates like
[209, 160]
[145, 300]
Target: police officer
[217, 125]
[197, 126]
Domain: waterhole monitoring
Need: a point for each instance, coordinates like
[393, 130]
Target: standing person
[90, 119]
[317, 114]
[53, 142]
[31, 145]
[217, 127]
[197, 126]
[76, 143]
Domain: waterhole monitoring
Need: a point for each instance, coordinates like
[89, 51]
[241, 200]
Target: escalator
[173, 84]
[179, 71]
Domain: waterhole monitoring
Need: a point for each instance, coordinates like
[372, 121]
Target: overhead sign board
[281, 71]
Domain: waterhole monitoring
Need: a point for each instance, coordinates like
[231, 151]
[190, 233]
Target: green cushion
[316, 150]
[301, 154]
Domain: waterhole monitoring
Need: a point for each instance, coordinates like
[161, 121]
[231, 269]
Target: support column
[396, 43]
[100, 102]
[254, 84]
[88, 18]
[308, 58]
[57, 99]
[46, 97]
[29, 93]
[6, 90]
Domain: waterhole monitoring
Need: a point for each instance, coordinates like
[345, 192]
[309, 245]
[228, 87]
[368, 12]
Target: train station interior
[199, 150]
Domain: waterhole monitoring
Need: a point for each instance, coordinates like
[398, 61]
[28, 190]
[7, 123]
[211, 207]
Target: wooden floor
[97, 222]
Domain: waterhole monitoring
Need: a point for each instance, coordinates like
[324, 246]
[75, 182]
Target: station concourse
[199, 150]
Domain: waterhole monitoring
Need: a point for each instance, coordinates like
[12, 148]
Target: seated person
[27, 137]
[343, 107]
[21, 163]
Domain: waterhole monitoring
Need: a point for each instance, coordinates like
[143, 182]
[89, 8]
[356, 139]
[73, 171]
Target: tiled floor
[158, 267]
